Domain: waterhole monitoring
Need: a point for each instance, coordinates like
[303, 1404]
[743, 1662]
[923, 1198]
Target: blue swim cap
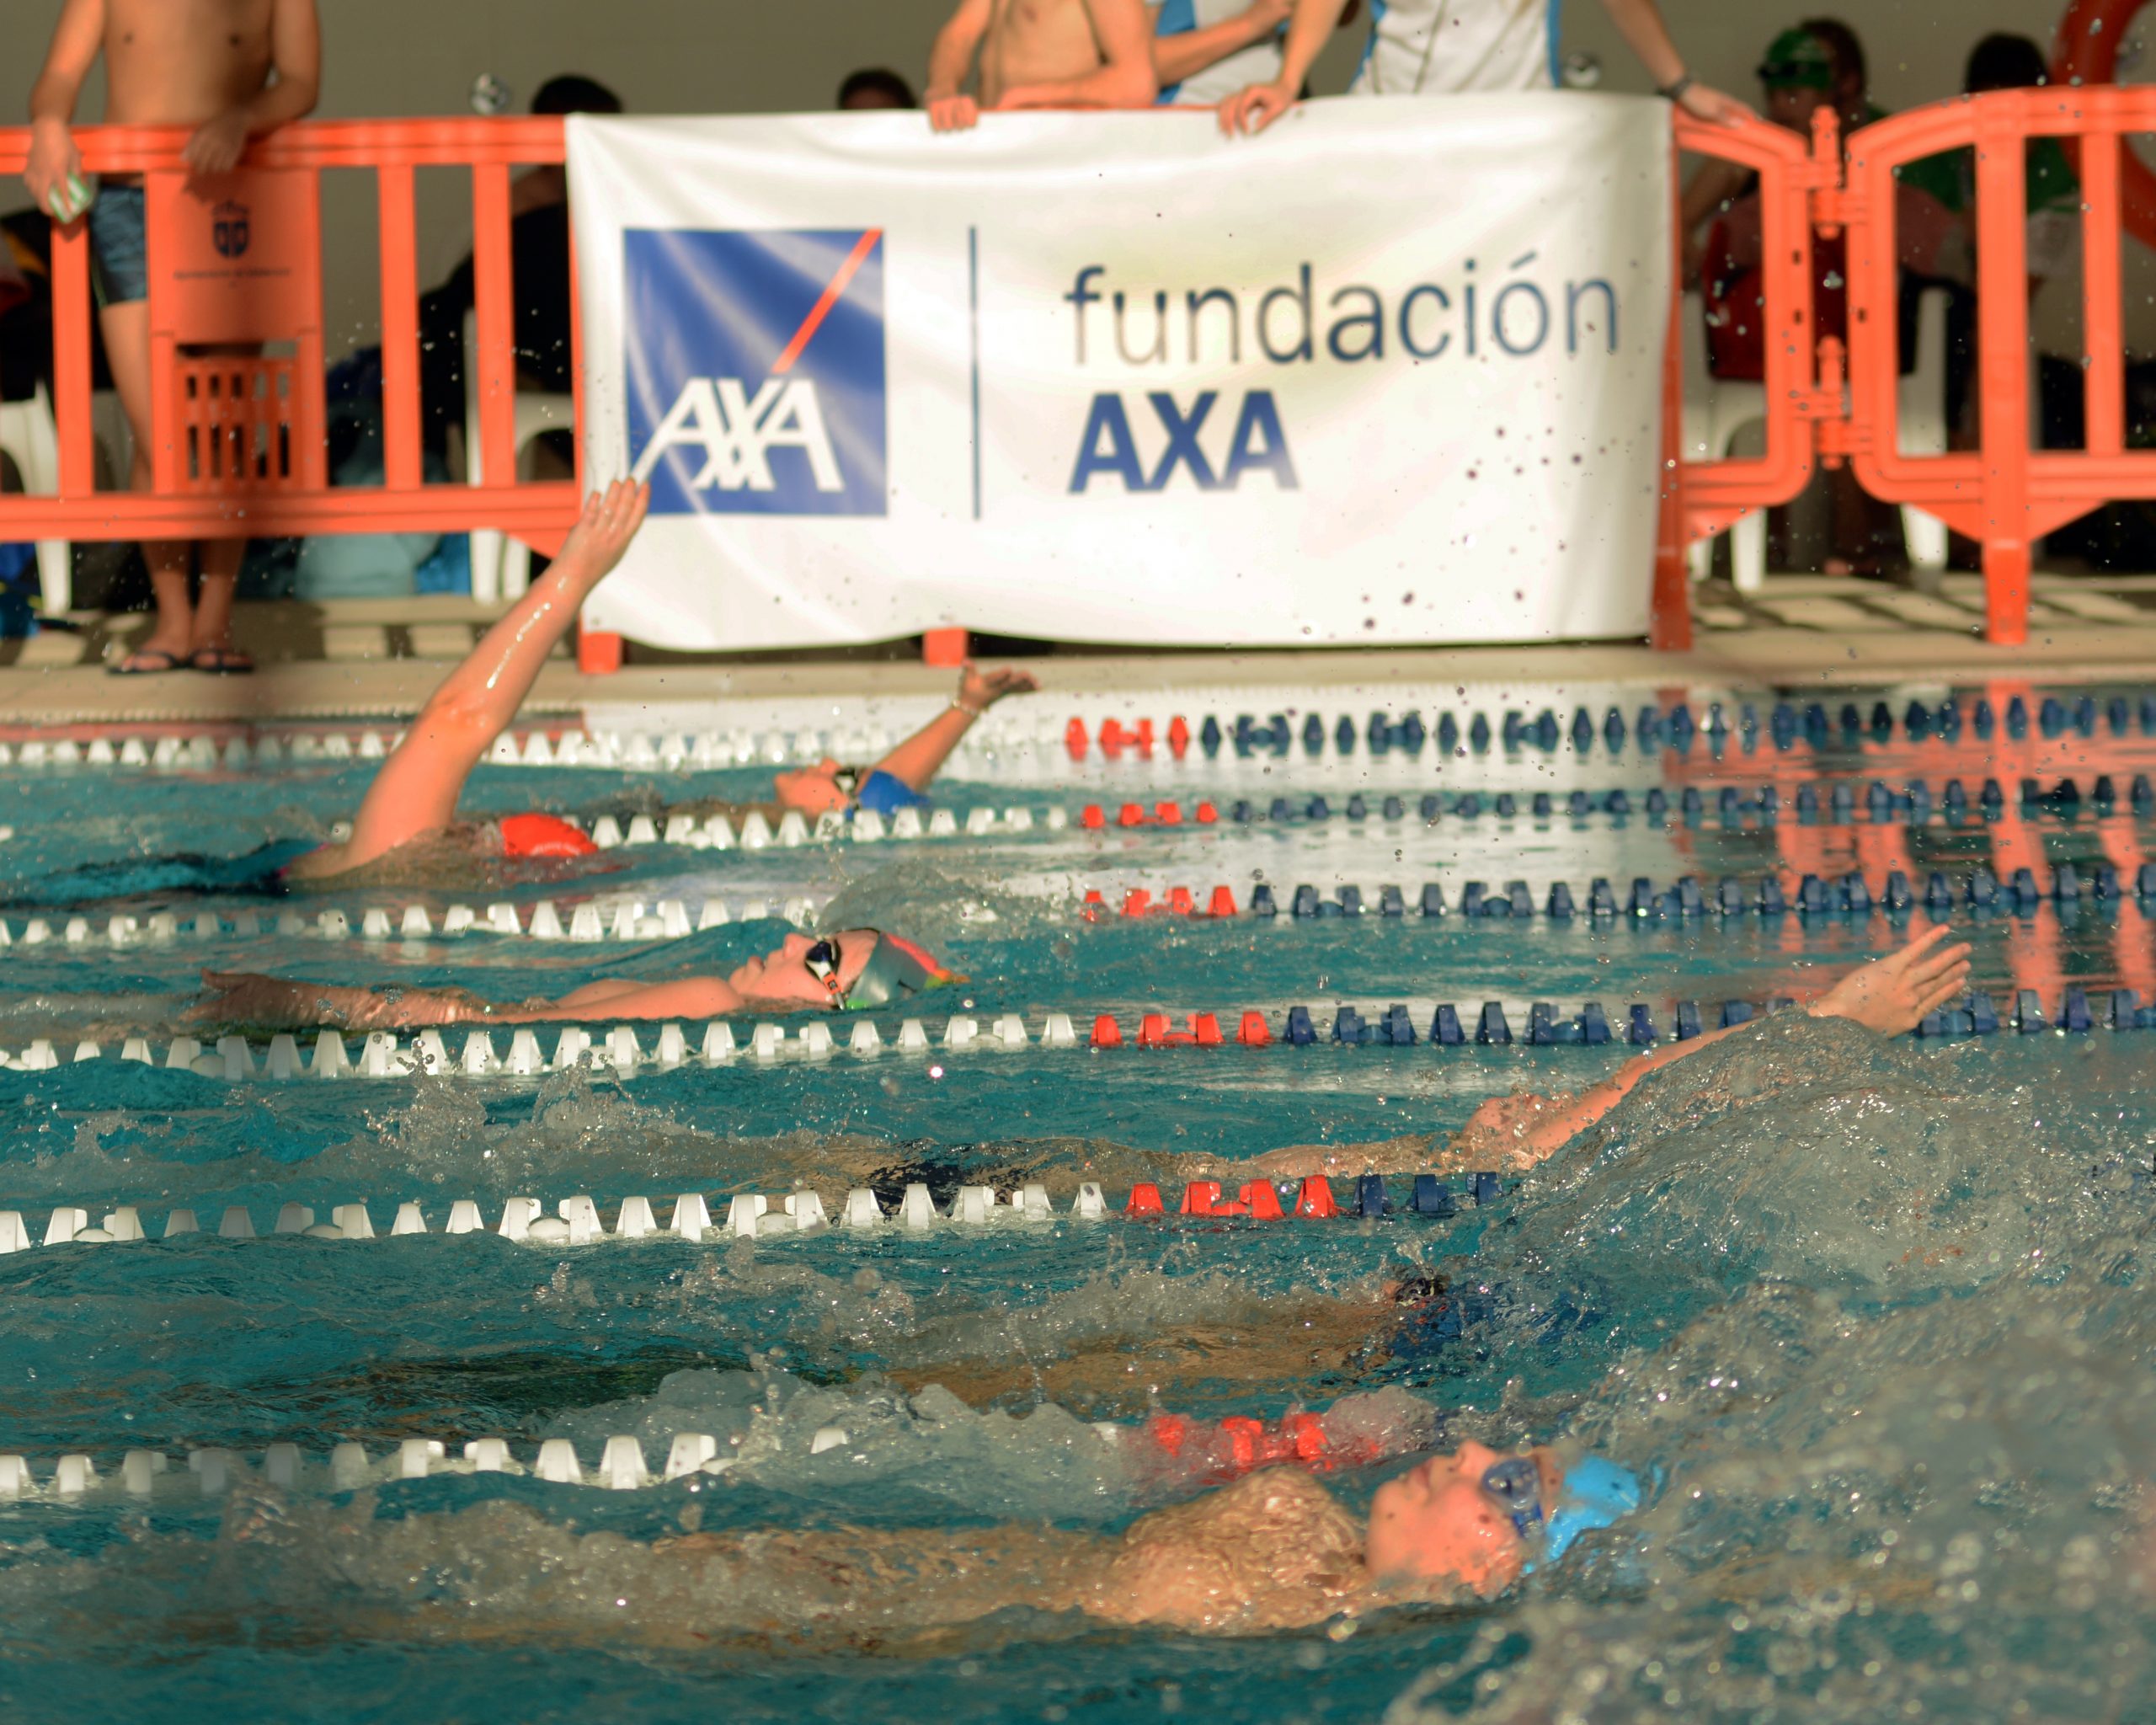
[1596, 1494]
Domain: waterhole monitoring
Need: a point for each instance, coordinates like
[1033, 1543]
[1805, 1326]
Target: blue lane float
[1913, 802]
[1847, 895]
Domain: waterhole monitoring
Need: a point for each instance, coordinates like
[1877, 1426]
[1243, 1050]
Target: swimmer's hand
[600, 538]
[980, 690]
[1895, 993]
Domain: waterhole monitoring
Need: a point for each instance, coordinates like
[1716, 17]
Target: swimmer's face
[782, 977]
[1438, 1525]
[813, 790]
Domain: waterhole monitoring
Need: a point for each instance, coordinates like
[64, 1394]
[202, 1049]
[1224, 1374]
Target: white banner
[1390, 372]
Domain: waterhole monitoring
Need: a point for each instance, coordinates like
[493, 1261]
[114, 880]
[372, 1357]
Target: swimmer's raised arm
[917, 760]
[820, 789]
[1891, 996]
[416, 792]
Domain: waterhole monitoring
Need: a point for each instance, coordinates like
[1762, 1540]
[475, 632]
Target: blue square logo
[754, 363]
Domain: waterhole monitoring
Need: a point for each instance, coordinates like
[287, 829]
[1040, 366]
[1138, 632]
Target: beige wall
[420, 56]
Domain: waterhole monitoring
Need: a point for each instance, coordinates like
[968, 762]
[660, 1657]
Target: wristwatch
[1676, 88]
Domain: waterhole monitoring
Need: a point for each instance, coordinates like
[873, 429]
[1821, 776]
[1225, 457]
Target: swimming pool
[1875, 1321]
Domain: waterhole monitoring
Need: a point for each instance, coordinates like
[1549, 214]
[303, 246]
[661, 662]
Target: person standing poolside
[1450, 47]
[1205, 50]
[232, 70]
[1040, 54]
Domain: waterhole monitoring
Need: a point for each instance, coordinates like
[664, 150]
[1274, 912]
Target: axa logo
[228, 229]
[754, 363]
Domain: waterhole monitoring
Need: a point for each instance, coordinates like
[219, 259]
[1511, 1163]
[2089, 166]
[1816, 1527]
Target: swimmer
[1890, 996]
[850, 970]
[1274, 1550]
[900, 780]
[407, 829]
[412, 800]
[1120, 1372]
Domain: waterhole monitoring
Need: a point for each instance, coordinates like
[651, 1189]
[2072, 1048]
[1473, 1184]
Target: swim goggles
[821, 961]
[1515, 1484]
[1595, 1493]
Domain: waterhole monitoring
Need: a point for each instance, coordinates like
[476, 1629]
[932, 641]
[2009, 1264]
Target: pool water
[1872, 1318]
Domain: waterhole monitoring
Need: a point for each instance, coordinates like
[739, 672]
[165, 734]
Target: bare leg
[126, 328]
[416, 791]
[210, 643]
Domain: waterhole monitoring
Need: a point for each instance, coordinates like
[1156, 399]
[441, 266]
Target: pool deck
[378, 659]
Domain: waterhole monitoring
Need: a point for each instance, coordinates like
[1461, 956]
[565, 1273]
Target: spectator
[539, 265]
[1204, 50]
[1047, 54]
[2053, 203]
[1814, 66]
[875, 87]
[1446, 47]
[232, 69]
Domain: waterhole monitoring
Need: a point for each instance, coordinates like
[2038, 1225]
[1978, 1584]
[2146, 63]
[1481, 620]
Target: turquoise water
[1874, 1318]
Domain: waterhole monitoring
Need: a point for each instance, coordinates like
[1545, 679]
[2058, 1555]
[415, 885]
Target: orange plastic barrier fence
[2006, 494]
[1700, 499]
[238, 448]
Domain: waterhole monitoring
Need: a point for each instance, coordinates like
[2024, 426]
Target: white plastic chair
[1716, 409]
[29, 437]
[501, 567]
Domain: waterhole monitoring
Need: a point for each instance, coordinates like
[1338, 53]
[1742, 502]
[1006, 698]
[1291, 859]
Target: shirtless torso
[1040, 54]
[1036, 42]
[180, 62]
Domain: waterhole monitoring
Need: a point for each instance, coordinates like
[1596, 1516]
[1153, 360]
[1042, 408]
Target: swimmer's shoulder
[412, 862]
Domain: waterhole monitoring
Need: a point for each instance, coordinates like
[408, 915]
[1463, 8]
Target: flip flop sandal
[127, 668]
[219, 662]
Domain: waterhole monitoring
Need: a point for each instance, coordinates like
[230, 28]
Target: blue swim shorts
[120, 245]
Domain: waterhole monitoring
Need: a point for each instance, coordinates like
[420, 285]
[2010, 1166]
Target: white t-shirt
[1257, 64]
[1449, 47]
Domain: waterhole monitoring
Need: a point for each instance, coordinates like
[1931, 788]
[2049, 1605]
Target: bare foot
[1894, 994]
[602, 533]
